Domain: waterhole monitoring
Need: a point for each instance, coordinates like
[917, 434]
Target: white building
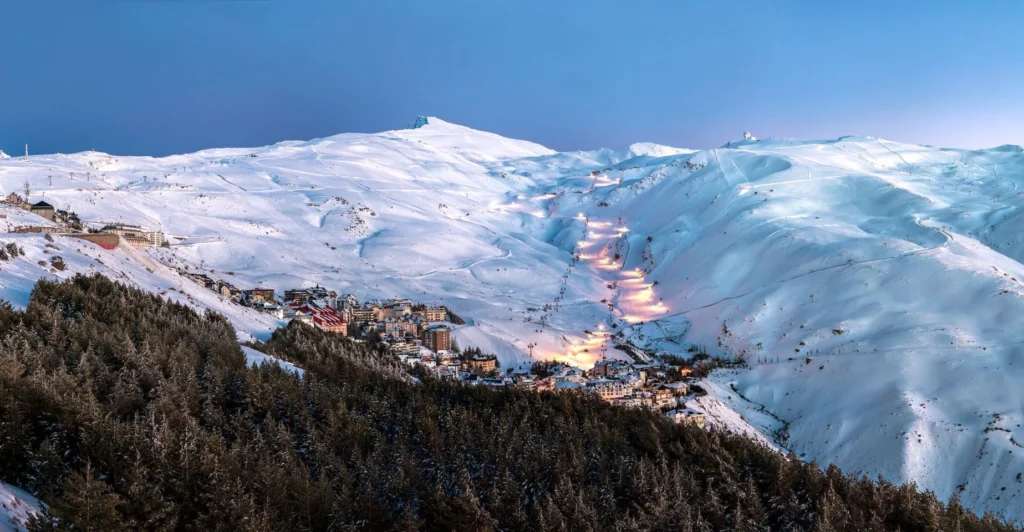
[136, 236]
[687, 416]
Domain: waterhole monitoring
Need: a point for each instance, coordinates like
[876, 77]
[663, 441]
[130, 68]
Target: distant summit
[420, 122]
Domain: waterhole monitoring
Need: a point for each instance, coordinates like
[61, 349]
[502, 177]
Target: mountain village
[421, 335]
[418, 334]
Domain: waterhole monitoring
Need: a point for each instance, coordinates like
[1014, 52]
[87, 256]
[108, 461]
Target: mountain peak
[650, 149]
[474, 143]
[420, 122]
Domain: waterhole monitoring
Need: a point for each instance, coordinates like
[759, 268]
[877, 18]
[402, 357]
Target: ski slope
[871, 284]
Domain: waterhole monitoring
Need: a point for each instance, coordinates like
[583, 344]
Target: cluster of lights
[637, 296]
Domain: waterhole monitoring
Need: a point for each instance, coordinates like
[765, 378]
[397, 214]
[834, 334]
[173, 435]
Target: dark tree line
[126, 412]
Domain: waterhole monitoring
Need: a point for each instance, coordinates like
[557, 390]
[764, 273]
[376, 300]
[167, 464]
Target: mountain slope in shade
[873, 286]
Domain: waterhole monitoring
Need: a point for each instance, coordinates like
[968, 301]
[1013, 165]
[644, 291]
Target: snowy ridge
[871, 284]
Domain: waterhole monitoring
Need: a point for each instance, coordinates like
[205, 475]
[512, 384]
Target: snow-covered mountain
[872, 285]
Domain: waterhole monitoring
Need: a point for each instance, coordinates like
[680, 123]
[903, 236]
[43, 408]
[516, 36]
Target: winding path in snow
[505, 253]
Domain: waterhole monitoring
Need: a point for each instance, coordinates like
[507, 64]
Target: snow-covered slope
[871, 284]
[16, 508]
[256, 358]
[18, 274]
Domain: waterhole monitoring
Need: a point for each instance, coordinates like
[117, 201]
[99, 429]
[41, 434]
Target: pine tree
[831, 513]
[754, 510]
[87, 504]
[953, 516]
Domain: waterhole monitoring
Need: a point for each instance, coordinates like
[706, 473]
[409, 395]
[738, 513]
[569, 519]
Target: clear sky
[167, 76]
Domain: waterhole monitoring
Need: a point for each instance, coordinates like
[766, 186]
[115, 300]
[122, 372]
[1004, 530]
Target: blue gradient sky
[165, 76]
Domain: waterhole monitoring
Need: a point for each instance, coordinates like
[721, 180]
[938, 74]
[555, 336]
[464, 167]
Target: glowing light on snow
[643, 296]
